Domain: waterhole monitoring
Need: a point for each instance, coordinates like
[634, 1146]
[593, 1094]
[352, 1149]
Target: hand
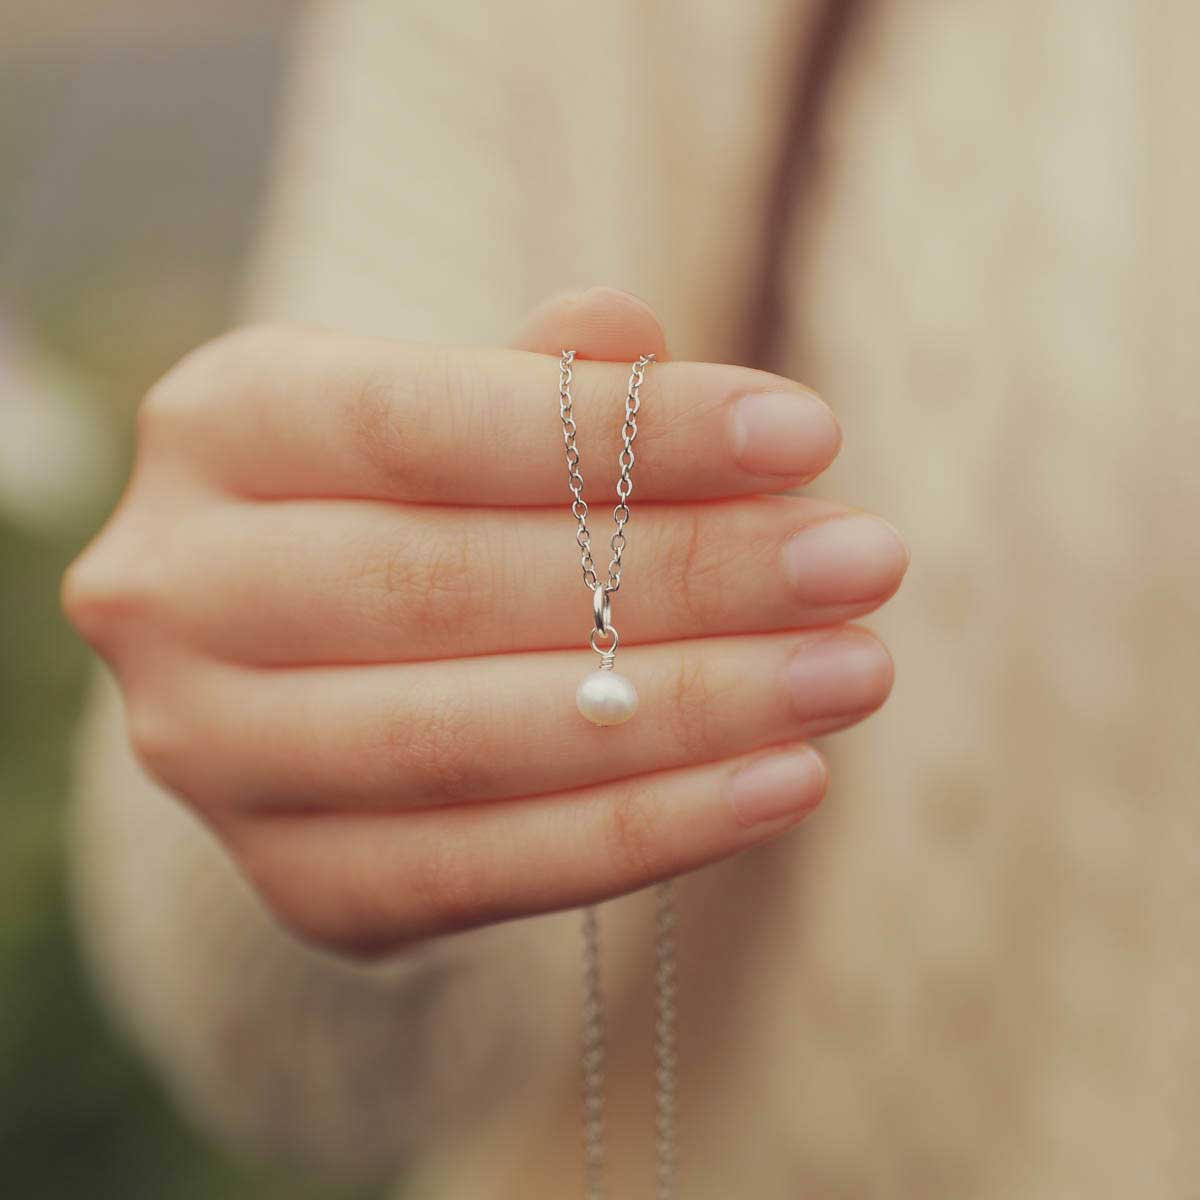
[343, 600]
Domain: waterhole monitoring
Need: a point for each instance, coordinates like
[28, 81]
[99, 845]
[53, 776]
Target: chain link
[625, 461]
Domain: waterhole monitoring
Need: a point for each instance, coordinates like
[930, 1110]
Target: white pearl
[606, 698]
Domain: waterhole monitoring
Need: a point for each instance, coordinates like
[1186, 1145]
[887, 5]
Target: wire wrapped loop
[607, 653]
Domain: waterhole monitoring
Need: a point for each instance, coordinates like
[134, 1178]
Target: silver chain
[665, 1054]
[595, 1048]
[625, 460]
[594, 1058]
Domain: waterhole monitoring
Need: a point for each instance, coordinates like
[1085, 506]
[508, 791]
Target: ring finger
[393, 737]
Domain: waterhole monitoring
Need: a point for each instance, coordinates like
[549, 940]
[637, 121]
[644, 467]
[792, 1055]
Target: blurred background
[994, 277]
[134, 142]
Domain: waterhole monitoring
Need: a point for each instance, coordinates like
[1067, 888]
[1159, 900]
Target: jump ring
[604, 652]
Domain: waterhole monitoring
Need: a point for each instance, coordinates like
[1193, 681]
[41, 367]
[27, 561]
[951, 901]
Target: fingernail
[837, 674]
[844, 559]
[784, 433]
[778, 785]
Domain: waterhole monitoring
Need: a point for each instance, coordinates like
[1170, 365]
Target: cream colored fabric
[974, 973]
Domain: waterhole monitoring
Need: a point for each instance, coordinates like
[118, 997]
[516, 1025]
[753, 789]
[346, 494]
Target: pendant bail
[602, 608]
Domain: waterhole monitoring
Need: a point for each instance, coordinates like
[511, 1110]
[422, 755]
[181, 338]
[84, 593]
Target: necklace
[606, 698]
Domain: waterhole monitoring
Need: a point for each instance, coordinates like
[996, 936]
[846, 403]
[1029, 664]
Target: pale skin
[342, 598]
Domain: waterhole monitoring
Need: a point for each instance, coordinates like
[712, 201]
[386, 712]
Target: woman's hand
[343, 600]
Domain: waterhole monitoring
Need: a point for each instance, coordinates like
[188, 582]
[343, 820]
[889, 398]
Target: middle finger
[317, 582]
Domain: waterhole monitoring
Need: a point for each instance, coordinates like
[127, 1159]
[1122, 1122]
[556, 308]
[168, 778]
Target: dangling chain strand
[665, 977]
[594, 1053]
[595, 1050]
[665, 1058]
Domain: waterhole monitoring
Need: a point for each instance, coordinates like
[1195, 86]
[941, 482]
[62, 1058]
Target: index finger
[271, 412]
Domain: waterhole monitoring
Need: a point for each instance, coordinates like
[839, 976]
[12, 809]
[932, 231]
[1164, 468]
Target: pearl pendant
[606, 698]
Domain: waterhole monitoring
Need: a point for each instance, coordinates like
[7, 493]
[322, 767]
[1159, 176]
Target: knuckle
[222, 368]
[237, 350]
[157, 741]
[687, 568]
[313, 893]
[297, 892]
[117, 582]
[691, 702]
[397, 415]
[436, 750]
[307, 919]
[300, 909]
[427, 583]
[383, 412]
[314, 915]
[383, 439]
[679, 409]
[163, 404]
[88, 599]
[372, 414]
[633, 833]
[320, 917]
